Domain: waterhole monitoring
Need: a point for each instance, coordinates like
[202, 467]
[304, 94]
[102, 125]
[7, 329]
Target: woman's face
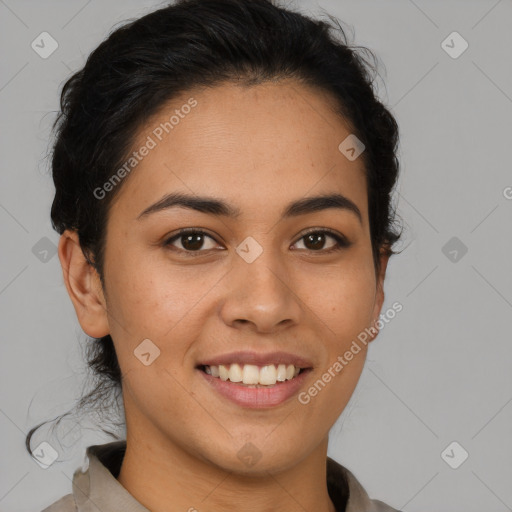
[253, 283]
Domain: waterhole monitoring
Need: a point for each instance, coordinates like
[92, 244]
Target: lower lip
[257, 398]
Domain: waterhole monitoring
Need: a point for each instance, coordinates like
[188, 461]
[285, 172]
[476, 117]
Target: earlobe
[83, 286]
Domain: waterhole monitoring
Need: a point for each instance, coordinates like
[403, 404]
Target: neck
[170, 479]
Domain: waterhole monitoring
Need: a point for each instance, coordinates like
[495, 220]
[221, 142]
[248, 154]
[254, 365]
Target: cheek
[341, 305]
[341, 297]
[151, 295]
[153, 300]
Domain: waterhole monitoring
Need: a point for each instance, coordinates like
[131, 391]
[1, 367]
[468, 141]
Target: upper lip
[259, 359]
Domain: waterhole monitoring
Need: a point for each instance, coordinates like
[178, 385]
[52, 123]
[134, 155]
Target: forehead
[263, 145]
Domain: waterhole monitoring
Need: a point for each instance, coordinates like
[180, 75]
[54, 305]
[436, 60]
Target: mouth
[254, 376]
[254, 386]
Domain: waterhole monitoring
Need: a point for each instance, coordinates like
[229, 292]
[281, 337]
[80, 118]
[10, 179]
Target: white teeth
[235, 373]
[281, 373]
[223, 372]
[251, 374]
[268, 375]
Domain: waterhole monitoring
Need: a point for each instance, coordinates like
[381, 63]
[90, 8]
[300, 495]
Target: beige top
[96, 489]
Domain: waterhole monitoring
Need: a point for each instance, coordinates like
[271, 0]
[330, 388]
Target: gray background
[439, 372]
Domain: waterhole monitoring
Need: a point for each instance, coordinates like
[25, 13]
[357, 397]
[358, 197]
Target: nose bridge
[259, 290]
[261, 268]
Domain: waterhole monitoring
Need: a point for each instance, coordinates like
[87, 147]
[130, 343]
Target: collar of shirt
[95, 487]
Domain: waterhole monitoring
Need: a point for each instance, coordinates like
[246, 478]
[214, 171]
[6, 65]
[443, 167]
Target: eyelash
[341, 241]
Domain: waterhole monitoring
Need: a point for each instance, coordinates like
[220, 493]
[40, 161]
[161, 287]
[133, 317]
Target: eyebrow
[214, 206]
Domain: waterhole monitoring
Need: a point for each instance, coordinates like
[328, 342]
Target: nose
[259, 296]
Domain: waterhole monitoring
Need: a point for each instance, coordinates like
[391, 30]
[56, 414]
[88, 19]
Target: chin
[249, 460]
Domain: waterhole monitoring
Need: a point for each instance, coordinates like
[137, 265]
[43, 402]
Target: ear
[379, 297]
[83, 285]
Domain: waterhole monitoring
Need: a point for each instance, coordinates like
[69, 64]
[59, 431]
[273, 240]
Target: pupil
[192, 242]
[318, 237]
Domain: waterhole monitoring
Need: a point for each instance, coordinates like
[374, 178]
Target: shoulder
[358, 499]
[380, 506]
[64, 504]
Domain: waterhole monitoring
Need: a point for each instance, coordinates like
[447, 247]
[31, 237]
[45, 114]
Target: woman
[223, 174]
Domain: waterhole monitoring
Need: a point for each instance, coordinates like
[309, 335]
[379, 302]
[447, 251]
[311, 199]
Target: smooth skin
[257, 148]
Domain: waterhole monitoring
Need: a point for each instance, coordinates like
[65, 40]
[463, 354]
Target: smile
[253, 394]
[252, 375]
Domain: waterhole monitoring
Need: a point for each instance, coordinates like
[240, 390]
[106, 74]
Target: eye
[190, 239]
[315, 240]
